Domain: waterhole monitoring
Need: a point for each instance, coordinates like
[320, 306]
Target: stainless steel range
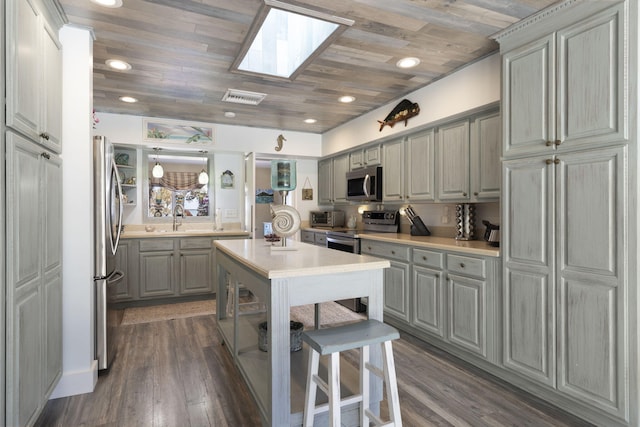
[385, 221]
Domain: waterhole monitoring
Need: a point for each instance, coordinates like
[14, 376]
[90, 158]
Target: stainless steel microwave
[365, 184]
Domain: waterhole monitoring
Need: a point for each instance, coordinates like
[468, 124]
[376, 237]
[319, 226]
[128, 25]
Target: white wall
[79, 370]
[126, 129]
[471, 87]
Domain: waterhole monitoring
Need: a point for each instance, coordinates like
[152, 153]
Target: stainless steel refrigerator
[108, 206]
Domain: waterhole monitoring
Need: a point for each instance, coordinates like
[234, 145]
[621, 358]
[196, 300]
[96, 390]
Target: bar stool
[331, 341]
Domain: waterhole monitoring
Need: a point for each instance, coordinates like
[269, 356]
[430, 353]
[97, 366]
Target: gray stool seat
[347, 337]
[332, 341]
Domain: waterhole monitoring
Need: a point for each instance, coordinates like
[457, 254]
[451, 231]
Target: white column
[79, 369]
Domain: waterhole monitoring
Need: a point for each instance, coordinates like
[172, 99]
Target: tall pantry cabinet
[33, 199]
[568, 208]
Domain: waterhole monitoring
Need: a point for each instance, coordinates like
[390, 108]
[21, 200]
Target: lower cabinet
[447, 298]
[318, 238]
[158, 268]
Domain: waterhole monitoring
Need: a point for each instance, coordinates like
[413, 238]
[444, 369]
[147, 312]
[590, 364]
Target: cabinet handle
[393, 252]
[369, 247]
[549, 143]
[436, 275]
[548, 161]
[46, 155]
[556, 161]
[424, 258]
[44, 135]
[464, 194]
[475, 193]
[557, 142]
[462, 265]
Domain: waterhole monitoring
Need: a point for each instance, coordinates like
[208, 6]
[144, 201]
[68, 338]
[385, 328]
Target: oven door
[344, 244]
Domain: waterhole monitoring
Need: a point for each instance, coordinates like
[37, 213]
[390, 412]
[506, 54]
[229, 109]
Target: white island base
[281, 280]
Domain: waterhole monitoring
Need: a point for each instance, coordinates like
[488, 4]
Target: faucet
[178, 211]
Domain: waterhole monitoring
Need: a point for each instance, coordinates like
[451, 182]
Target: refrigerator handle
[115, 278]
[120, 205]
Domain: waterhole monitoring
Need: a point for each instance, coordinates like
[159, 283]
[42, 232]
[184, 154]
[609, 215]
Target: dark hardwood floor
[177, 373]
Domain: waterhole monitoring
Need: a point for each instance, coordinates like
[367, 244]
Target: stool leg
[390, 380]
[310, 402]
[334, 390]
[364, 385]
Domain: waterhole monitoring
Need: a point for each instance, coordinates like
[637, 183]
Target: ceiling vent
[243, 97]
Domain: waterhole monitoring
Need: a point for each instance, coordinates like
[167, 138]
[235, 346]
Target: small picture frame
[307, 190]
[227, 180]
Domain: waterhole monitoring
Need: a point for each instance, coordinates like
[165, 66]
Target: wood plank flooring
[177, 373]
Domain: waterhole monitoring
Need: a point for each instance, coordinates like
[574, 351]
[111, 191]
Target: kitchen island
[281, 279]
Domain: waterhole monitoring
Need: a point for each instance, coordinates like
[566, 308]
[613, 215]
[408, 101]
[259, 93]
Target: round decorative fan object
[286, 220]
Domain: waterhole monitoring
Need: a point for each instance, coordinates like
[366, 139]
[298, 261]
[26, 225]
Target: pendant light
[203, 178]
[157, 171]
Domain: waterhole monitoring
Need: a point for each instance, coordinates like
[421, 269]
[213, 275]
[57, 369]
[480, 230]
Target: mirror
[180, 189]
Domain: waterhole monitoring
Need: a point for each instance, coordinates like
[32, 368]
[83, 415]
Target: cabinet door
[529, 97]
[428, 301]
[485, 157]
[467, 313]
[196, 271]
[421, 166]
[307, 236]
[51, 128]
[453, 161]
[592, 299]
[23, 67]
[125, 289]
[396, 290]
[325, 182]
[156, 274]
[591, 81]
[356, 159]
[528, 276]
[340, 169]
[393, 171]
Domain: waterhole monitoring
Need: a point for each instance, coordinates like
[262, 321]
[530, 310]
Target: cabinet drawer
[307, 236]
[321, 239]
[148, 245]
[196, 243]
[385, 250]
[428, 258]
[466, 265]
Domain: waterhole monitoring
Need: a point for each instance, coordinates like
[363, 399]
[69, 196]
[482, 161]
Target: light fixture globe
[157, 171]
[203, 178]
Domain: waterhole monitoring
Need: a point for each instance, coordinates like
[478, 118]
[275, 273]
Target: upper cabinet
[421, 176]
[325, 182]
[34, 74]
[485, 168]
[574, 91]
[453, 161]
[365, 157]
[393, 172]
[340, 169]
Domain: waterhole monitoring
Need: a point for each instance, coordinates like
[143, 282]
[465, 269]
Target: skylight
[284, 38]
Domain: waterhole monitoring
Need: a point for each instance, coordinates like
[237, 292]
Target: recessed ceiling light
[229, 114]
[108, 3]
[118, 64]
[407, 62]
[346, 99]
[128, 99]
[310, 121]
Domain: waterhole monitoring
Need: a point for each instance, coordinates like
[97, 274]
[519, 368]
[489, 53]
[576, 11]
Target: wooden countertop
[305, 260]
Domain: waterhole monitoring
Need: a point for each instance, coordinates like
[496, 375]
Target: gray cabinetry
[486, 149]
[340, 169]
[318, 238]
[421, 162]
[394, 171]
[157, 269]
[307, 236]
[34, 74]
[429, 296]
[33, 278]
[196, 266]
[565, 210]
[453, 161]
[325, 182]
[396, 278]
[365, 157]
[127, 262]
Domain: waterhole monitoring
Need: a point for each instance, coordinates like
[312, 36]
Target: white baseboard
[78, 382]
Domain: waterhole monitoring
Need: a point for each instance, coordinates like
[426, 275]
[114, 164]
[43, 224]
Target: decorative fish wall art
[403, 111]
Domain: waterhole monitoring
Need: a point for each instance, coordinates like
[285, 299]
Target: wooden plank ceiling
[181, 52]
